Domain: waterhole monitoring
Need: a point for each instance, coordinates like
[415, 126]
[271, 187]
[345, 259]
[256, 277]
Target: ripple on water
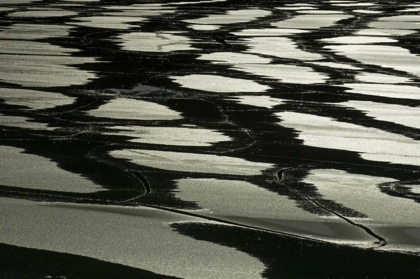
[371, 143]
[218, 84]
[191, 162]
[30, 171]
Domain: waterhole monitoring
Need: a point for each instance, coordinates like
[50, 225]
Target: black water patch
[401, 189]
[19, 262]
[288, 257]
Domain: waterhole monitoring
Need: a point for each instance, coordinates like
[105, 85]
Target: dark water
[210, 139]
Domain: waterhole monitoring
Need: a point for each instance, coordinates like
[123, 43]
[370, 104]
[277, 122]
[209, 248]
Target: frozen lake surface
[209, 139]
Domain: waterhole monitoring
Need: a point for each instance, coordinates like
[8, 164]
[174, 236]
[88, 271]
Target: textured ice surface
[131, 109]
[284, 73]
[385, 90]
[384, 56]
[258, 101]
[177, 136]
[218, 84]
[371, 143]
[403, 115]
[30, 171]
[154, 42]
[310, 21]
[44, 71]
[146, 240]
[34, 99]
[191, 162]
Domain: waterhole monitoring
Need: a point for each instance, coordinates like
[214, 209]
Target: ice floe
[34, 99]
[218, 84]
[132, 109]
[403, 115]
[310, 21]
[371, 143]
[384, 56]
[109, 22]
[385, 90]
[147, 241]
[38, 173]
[176, 136]
[44, 71]
[279, 47]
[34, 31]
[284, 73]
[154, 42]
[258, 101]
[191, 162]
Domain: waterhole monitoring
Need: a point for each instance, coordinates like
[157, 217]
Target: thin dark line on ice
[381, 241]
[215, 219]
[223, 42]
[140, 178]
